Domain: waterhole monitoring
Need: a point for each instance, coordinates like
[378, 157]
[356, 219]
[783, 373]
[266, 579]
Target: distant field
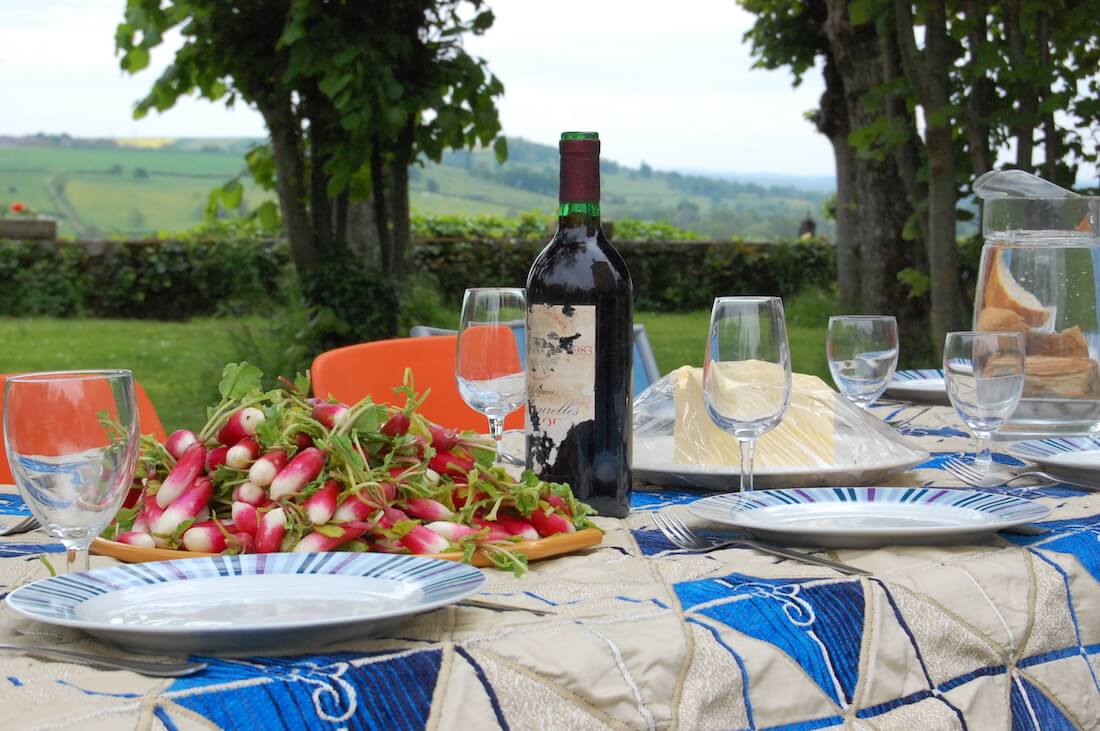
[160, 184]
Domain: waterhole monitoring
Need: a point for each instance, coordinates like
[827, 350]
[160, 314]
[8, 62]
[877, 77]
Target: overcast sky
[668, 83]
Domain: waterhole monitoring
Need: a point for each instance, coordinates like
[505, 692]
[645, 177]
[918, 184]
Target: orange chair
[148, 423]
[374, 369]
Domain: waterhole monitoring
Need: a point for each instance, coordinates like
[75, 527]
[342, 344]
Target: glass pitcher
[1039, 276]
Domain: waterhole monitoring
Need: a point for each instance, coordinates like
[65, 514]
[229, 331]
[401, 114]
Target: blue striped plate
[268, 602]
[1075, 453]
[869, 516]
[919, 385]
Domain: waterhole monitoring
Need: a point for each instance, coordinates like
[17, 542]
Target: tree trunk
[399, 197]
[881, 203]
[929, 72]
[1027, 97]
[1054, 169]
[831, 120]
[979, 103]
[286, 144]
[381, 212]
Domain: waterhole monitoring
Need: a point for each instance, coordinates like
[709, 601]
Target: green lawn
[178, 364]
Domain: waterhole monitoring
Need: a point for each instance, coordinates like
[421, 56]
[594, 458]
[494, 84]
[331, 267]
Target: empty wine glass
[747, 371]
[72, 443]
[863, 352]
[984, 374]
[488, 366]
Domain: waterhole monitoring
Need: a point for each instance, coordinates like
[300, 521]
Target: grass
[179, 363]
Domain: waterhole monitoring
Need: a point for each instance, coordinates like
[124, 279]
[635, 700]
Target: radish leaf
[238, 380]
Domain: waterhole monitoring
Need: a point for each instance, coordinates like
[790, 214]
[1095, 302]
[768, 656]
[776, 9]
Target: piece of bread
[1061, 377]
[1070, 343]
[998, 319]
[1002, 291]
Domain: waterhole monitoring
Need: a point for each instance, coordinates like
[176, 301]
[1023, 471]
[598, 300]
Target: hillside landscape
[139, 187]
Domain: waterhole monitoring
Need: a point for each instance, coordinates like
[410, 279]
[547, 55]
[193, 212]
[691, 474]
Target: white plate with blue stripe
[918, 386]
[860, 517]
[1065, 453]
[244, 604]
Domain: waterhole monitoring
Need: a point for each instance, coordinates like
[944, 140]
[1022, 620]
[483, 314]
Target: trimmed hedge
[667, 276]
[163, 280]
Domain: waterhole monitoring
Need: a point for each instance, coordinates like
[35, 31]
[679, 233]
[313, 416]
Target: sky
[668, 84]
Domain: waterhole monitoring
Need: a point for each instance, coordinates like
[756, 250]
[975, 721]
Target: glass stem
[748, 451]
[983, 456]
[496, 431]
[77, 559]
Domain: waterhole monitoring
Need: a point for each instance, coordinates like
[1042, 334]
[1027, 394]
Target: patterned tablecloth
[992, 636]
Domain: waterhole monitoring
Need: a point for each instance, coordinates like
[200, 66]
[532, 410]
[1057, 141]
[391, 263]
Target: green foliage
[166, 280]
[666, 276]
[917, 281]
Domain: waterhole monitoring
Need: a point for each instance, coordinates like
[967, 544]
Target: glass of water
[984, 374]
[863, 353]
[72, 443]
[747, 371]
[488, 366]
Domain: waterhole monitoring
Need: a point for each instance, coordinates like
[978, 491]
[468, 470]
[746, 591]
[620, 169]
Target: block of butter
[805, 437]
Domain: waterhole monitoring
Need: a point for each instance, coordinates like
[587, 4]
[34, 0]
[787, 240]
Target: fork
[898, 423]
[24, 526]
[971, 476]
[153, 669]
[680, 534]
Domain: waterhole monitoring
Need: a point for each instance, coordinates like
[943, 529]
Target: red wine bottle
[580, 328]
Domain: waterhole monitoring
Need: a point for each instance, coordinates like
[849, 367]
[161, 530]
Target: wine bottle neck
[579, 217]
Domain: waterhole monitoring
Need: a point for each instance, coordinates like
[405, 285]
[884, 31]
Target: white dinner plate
[859, 517]
[920, 386]
[1081, 454]
[261, 602]
[654, 463]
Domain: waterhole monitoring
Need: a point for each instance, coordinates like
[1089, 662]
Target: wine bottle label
[561, 376]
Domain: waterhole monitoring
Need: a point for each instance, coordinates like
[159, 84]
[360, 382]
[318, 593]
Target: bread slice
[1070, 343]
[998, 319]
[1002, 291]
[1054, 377]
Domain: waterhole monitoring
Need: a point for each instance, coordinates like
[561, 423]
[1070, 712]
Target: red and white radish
[427, 509]
[446, 463]
[179, 442]
[264, 469]
[204, 537]
[185, 507]
[242, 454]
[548, 525]
[318, 542]
[517, 526]
[497, 532]
[354, 507]
[321, 505]
[303, 440]
[397, 425]
[182, 475]
[443, 439]
[245, 517]
[215, 458]
[453, 532]
[421, 541]
[241, 423]
[250, 493]
[269, 536]
[304, 468]
[139, 539]
[331, 415]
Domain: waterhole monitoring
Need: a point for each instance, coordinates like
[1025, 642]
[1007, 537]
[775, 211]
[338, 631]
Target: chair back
[148, 423]
[374, 369]
[643, 373]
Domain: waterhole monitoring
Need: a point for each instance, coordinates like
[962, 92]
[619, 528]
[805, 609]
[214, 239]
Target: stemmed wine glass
[72, 443]
[984, 374]
[747, 371]
[862, 351]
[488, 366]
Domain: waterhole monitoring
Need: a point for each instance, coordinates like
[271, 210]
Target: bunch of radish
[279, 471]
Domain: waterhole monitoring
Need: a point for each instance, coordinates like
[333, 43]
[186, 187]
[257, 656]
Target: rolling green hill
[141, 186]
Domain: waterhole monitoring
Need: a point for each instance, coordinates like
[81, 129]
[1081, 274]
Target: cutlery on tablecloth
[153, 669]
[971, 476]
[24, 526]
[898, 423]
[482, 604]
[681, 535]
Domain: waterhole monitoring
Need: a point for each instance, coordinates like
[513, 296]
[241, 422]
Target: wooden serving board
[556, 545]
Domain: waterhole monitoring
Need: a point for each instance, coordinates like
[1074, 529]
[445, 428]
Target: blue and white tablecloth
[993, 636]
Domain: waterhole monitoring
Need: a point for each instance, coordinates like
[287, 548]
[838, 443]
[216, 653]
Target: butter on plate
[807, 435]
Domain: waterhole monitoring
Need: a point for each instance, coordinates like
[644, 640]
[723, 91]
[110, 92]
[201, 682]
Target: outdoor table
[990, 636]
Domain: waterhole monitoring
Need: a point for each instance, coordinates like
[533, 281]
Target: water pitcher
[1040, 276]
